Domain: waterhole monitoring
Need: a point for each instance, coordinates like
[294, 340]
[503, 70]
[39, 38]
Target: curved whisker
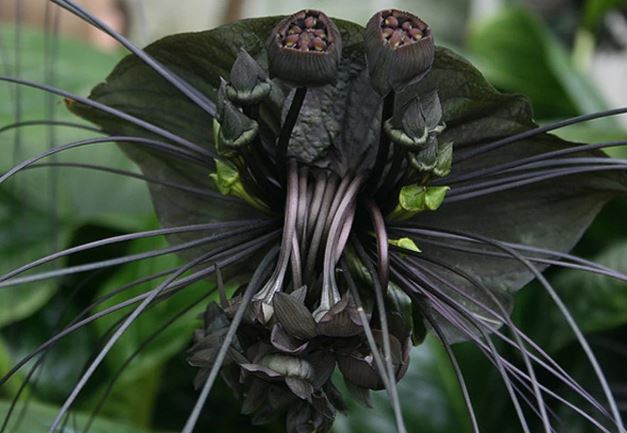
[206, 153]
[519, 375]
[555, 369]
[564, 311]
[444, 303]
[480, 150]
[580, 264]
[152, 295]
[134, 236]
[518, 341]
[129, 258]
[150, 339]
[103, 140]
[36, 366]
[546, 156]
[387, 351]
[414, 290]
[195, 96]
[514, 182]
[148, 179]
[553, 163]
[48, 122]
[241, 250]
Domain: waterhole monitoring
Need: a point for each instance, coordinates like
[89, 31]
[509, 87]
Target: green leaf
[595, 10]
[64, 189]
[39, 416]
[406, 243]
[517, 53]
[172, 340]
[597, 302]
[415, 198]
[26, 235]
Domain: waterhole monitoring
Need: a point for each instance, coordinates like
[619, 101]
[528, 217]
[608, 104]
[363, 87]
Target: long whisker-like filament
[480, 150]
[201, 151]
[564, 310]
[380, 302]
[199, 99]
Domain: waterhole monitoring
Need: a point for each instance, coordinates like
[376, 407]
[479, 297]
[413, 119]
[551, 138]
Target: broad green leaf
[598, 303]
[27, 234]
[518, 54]
[39, 417]
[171, 340]
[6, 361]
[74, 194]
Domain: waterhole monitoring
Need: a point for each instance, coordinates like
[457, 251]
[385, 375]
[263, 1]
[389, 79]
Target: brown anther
[415, 33]
[292, 40]
[319, 44]
[305, 38]
[387, 32]
[406, 25]
[391, 21]
[294, 30]
[396, 39]
[310, 22]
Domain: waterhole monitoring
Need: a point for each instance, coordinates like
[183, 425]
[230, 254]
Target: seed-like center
[307, 32]
[398, 29]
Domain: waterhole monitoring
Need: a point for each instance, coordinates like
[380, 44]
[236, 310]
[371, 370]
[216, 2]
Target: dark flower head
[400, 50]
[305, 49]
[363, 198]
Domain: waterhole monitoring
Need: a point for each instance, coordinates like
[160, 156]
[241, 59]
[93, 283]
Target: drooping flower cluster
[303, 323]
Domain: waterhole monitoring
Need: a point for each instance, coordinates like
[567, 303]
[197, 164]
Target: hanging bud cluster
[284, 367]
[416, 127]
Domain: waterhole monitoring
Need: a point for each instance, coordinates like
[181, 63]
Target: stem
[382, 242]
[288, 127]
[275, 282]
[384, 145]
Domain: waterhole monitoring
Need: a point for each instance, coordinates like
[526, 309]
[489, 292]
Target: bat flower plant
[368, 187]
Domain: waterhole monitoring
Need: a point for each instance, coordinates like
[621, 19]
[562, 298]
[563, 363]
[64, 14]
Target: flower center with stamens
[307, 32]
[399, 29]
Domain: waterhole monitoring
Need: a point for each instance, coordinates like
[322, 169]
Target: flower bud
[412, 125]
[249, 83]
[399, 48]
[288, 366]
[232, 128]
[305, 49]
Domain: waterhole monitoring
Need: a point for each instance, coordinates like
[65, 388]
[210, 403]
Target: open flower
[376, 186]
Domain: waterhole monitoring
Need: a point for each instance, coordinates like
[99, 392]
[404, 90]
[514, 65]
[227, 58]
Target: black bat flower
[368, 186]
